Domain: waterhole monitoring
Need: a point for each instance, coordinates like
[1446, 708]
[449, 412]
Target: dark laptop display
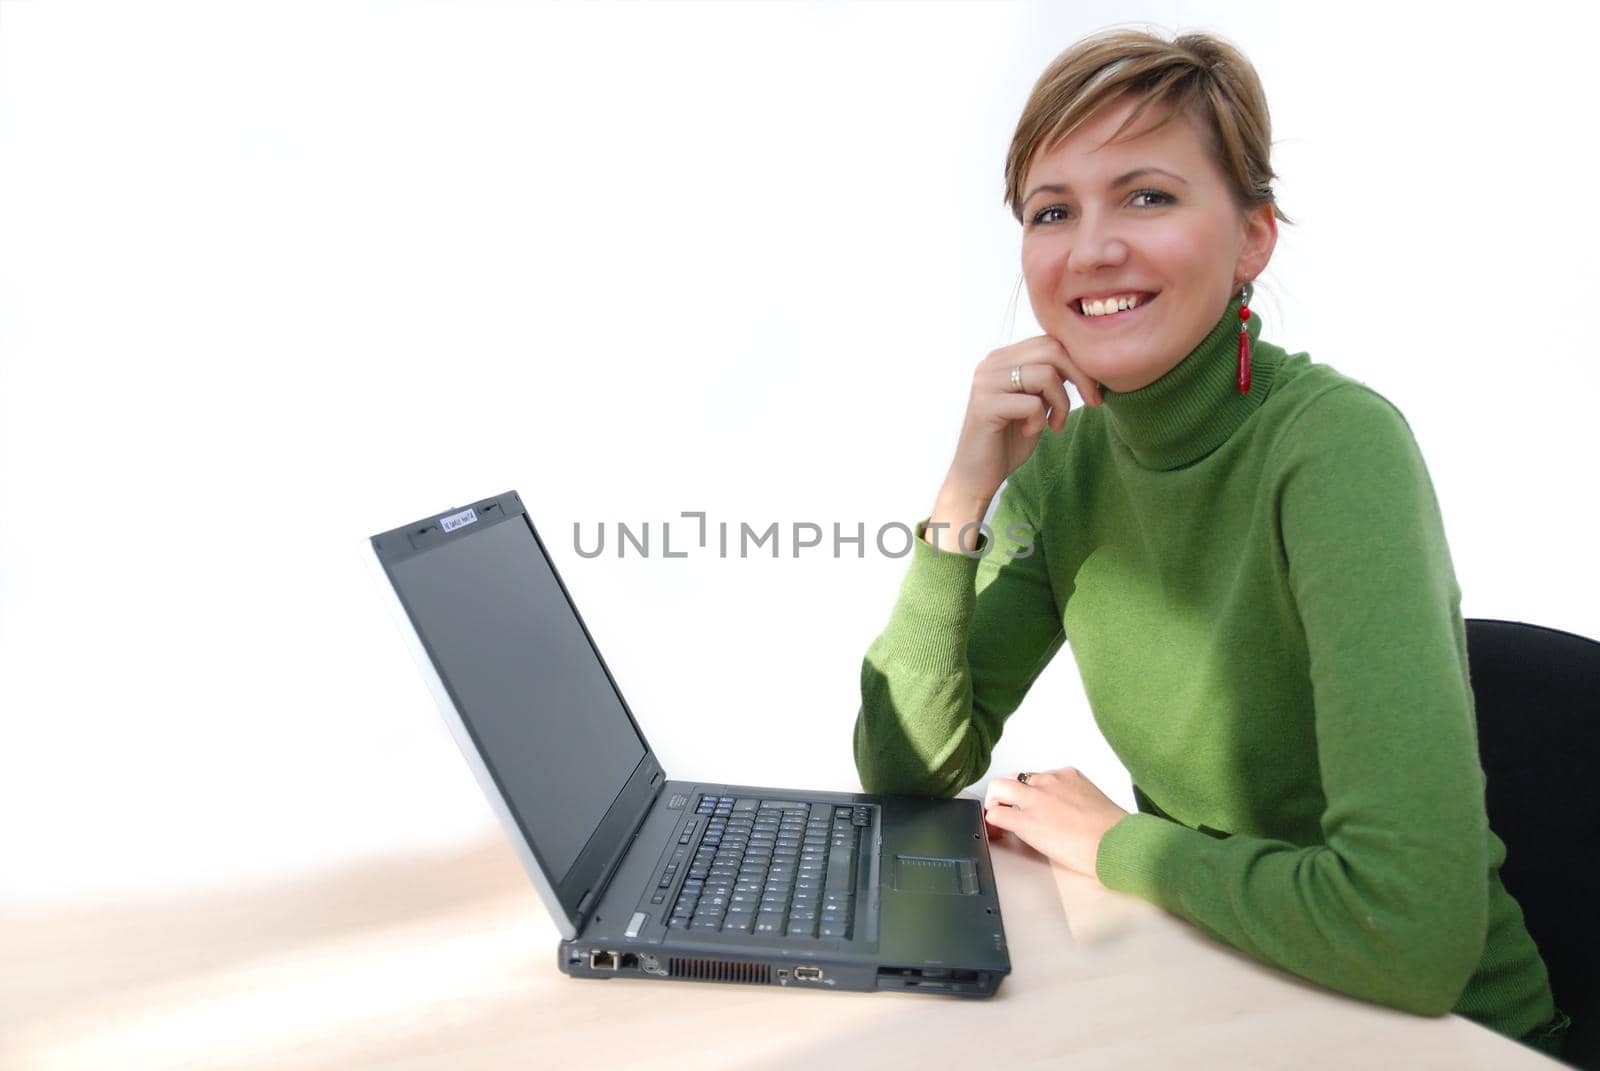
[551, 728]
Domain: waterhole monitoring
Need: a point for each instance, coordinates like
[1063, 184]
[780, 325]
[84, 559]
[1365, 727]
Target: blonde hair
[1197, 74]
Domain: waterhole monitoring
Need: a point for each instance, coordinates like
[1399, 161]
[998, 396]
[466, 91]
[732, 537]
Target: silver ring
[1023, 777]
[1016, 378]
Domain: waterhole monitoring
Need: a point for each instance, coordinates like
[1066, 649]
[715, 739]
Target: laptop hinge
[657, 783]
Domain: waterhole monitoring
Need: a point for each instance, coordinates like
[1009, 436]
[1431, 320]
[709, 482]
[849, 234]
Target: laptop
[651, 878]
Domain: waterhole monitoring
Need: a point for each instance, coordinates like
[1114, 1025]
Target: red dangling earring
[1244, 344]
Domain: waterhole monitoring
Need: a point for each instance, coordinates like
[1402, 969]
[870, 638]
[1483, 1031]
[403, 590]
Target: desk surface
[449, 961]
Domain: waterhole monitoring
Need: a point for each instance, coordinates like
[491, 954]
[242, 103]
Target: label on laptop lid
[457, 520]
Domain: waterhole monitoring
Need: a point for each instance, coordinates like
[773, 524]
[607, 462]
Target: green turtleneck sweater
[1261, 603]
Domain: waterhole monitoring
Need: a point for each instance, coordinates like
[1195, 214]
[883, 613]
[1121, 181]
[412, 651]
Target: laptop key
[840, 861]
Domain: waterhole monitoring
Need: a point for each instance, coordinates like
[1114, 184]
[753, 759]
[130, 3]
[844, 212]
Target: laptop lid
[527, 696]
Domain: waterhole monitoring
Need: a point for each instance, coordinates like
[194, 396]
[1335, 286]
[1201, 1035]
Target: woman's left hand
[1058, 812]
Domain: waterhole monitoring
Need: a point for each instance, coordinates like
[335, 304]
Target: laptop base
[931, 933]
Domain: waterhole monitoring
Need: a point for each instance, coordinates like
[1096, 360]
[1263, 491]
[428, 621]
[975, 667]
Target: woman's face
[1176, 239]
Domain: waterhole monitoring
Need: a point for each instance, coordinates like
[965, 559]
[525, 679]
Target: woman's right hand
[1003, 422]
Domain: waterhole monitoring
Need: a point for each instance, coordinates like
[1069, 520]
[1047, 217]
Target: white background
[277, 276]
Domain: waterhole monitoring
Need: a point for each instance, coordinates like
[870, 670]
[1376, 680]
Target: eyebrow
[1120, 180]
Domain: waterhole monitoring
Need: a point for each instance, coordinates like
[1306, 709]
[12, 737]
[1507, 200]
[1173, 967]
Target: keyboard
[773, 868]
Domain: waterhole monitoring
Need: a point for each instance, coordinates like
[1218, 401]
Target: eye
[1162, 198]
[1039, 217]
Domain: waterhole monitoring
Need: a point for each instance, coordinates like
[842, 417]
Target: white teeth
[1109, 305]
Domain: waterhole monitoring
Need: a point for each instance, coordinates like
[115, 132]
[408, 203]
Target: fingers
[1042, 380]
[1001, 813]
[1005, 790]
[1028, 408]
[1004, 419]
[1043, 349]
[1094, 397]
[1088, 389]
[1056, 354]
[1000, 820]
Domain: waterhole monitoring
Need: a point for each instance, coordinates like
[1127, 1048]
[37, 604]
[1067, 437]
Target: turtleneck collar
[1190, 411]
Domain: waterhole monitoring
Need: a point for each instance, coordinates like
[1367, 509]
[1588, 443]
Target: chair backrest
[1537, 692]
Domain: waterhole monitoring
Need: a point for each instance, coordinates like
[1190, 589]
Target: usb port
[808, 974]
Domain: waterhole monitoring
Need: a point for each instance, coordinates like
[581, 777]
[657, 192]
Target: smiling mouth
[1114, 317]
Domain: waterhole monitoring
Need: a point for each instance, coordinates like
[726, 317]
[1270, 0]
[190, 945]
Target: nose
[1095, 244]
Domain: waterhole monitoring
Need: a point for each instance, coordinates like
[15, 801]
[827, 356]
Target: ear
[1260, 238]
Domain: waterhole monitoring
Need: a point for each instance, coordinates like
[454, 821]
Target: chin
[1125, 371]
[1121, 376]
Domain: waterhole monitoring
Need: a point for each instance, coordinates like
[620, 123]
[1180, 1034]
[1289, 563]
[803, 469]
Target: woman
[1245, 551]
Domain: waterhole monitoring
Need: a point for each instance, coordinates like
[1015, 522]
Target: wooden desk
[449, 962]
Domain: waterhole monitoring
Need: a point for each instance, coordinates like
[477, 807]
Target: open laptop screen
[549, 725]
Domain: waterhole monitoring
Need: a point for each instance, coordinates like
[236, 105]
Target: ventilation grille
[717, 970]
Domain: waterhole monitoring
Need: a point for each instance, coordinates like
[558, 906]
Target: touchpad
[933, 874]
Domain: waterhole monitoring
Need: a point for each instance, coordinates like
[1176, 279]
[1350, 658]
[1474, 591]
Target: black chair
[1537, 692]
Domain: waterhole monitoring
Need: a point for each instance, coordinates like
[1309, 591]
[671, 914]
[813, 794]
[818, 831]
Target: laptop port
[602, 961]
[808, 974]
[936, 979]
[630, 961]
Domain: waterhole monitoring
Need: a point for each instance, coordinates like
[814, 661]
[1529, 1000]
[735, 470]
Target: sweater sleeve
[1393, 906]
[965, 641]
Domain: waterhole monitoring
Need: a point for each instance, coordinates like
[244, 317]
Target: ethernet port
[602, 961]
